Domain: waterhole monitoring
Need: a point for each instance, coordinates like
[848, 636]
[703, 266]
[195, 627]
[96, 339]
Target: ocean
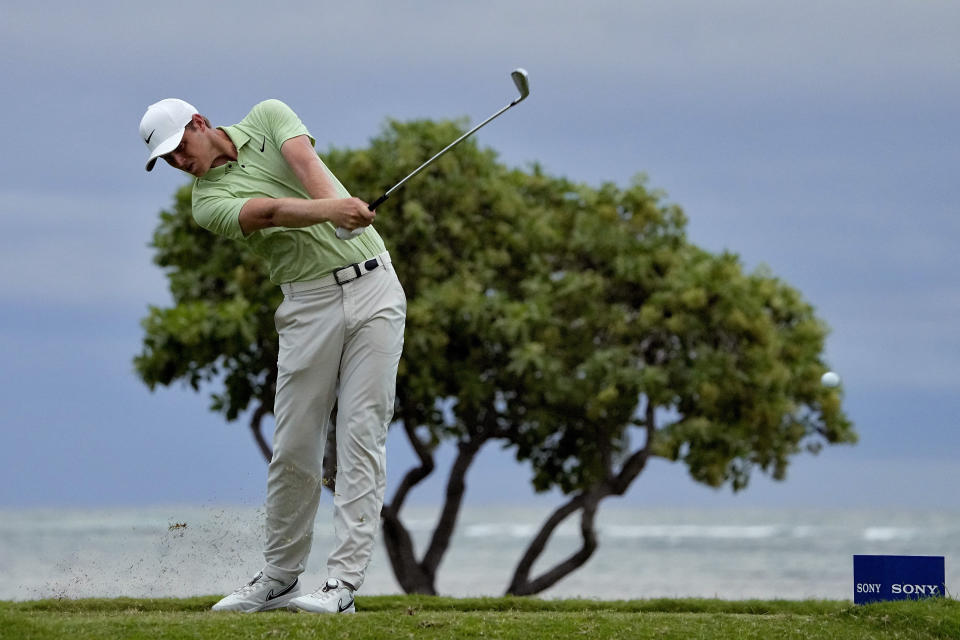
[643, 553]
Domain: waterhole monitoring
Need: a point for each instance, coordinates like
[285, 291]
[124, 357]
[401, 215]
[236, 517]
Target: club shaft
[386, 195]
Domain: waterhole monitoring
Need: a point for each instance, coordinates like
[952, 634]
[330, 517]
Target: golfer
[341, 325]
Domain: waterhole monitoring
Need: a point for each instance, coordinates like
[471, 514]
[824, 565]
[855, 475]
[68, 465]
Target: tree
[575, 325]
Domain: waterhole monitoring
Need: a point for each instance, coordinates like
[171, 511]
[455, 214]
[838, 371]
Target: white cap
[161, 127]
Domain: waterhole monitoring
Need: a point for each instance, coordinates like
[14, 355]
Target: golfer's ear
[199, 122]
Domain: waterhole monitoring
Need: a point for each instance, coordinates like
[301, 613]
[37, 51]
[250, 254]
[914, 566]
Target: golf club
[522, 82]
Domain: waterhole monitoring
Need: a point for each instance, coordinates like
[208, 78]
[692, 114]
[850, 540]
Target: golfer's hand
[351, 213]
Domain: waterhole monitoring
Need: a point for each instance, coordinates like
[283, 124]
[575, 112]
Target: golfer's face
[188, 154]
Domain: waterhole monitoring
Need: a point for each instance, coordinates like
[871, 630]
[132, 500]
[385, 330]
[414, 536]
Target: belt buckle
[356, 269]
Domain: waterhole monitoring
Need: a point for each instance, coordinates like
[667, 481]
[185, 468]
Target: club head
[522, 80]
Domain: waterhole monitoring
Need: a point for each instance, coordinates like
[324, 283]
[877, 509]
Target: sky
[819, 138]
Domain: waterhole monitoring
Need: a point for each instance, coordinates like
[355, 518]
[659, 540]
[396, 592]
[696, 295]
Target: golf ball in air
[830, 379]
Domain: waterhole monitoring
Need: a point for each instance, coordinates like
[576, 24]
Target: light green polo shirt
[260, 170]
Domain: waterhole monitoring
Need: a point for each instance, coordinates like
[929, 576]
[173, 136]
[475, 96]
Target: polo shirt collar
[237, 135]
[239, 138]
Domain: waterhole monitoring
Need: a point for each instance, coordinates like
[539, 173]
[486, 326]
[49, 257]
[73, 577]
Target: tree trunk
[456, 488]
[396, 538]
[522, 584]
[587, 502]
[399, 544]
[419, 576]
[329, 472]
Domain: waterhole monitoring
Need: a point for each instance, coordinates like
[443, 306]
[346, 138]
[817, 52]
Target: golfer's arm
[299, 154]
[261, 213]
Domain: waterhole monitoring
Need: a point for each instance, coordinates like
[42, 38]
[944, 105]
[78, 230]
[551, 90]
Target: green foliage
[220, 327]
[739, 361]
[547, 314]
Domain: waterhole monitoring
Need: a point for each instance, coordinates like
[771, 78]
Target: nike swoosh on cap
[150, 136]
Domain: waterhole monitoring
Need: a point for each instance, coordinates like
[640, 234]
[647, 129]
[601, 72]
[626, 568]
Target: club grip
[376, 203]
[343, 234]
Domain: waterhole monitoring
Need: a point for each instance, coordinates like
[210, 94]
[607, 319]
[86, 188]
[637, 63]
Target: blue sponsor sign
[877, 578]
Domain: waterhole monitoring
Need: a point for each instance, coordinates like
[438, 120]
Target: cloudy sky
[818, 138]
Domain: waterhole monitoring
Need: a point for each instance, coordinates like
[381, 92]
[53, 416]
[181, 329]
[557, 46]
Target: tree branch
[587, 501]
[329, 471]
[572, 563]
[400, 550]
[456, 487]
[520, 583]
[255, 421]
[396, 538]
[635, 464]
[415, 475]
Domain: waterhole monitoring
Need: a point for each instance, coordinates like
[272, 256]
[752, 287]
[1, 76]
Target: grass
[424, 617]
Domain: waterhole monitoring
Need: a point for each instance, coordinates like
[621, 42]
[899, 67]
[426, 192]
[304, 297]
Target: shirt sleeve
[280, 122]
[219, 214]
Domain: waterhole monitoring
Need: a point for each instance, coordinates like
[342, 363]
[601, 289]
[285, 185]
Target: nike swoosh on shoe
[271, 595]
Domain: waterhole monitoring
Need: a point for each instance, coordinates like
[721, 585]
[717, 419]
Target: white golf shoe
[335, 596]
[263, 593]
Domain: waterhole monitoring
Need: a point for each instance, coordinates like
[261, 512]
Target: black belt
[353, 271]
[338, 276]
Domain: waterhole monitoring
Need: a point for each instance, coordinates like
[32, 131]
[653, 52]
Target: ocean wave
[885, 534]
[633, 532]
[718, 532]
[504, 530]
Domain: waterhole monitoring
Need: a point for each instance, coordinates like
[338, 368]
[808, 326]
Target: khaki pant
[337, 343]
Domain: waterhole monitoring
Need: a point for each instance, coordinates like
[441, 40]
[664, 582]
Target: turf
[509, 618]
